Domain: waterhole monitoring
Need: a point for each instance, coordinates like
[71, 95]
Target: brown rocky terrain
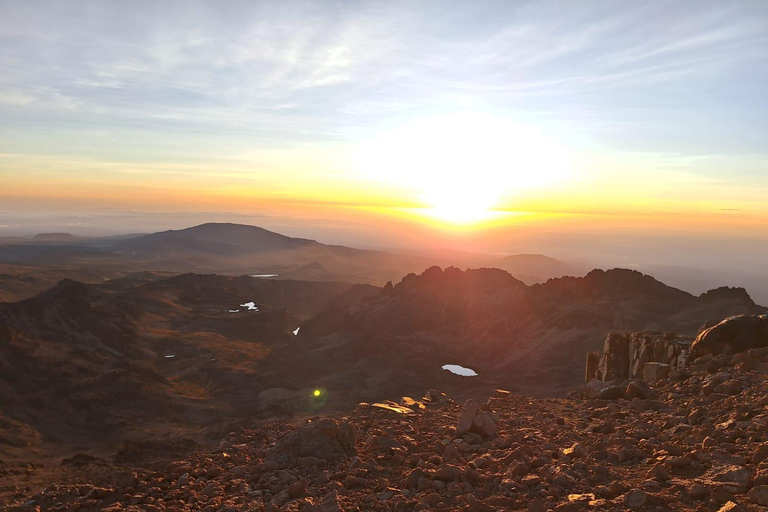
[695, 440]
[123, 377]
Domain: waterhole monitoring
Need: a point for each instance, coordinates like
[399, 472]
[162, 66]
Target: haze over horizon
[632, 134]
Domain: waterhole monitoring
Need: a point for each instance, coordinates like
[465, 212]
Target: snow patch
[460, 370]
[296, 331]
[251, 306]
[263, 275]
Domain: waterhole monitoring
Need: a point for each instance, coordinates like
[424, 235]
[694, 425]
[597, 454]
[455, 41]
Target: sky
[571, 127]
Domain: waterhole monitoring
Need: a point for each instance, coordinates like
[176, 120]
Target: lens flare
[317, 392]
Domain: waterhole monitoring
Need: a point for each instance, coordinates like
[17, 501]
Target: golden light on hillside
[463, 166]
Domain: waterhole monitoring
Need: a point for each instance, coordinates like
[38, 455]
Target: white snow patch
[296, 331]
[263, 275]
[169, 356]
[250, 305]
[234, 310]
[460, 370]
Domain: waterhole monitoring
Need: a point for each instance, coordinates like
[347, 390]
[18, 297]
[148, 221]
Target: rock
[659, 473]
[593, 362]
[449, 473]
[698, 491]
[412, 480]
[536, 505]
[759, 495]
[466, 418]
[475, 505]
[740, 332]
[297, 488]
[654, 372]
[731, 507]
[635, 390]
[327, 439]
[473, 420]
[575, 452]
[727, 478]
[330, 503]
[611, 393]
[614, 364]
[306, 462]
[485, 424]
[637, 499]
[570, 507]
[594, 387]
[729, 387]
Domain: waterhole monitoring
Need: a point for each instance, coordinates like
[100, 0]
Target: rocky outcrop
[641, 355]
[734, 334]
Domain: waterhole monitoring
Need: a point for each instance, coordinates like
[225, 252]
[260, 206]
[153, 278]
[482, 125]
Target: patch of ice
[234, 310]
[296, 331]
[263, 275]
[250, 305]
[460, 370]
[169, 356]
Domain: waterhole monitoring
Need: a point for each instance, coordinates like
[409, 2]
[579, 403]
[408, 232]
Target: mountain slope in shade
[89, 364]
[533, 338]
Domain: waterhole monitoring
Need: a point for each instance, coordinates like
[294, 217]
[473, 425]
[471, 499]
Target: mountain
[217, 238]
[536, 268]
[220, 248]
[513, 335]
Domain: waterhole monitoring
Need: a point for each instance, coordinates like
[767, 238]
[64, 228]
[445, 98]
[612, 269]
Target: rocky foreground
[696, 440]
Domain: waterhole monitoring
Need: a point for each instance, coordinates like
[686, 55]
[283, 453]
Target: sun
[462, 167]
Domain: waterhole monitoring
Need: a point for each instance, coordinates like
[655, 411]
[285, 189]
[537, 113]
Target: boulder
[727, 478]
[474, 420]
[329, 503]
[327, 439]
[654, 372]
[613, 392]
[759, 494]
[637, 499]
[741, 333]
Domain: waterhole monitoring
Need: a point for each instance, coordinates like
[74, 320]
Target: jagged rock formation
[640, 355]
[650, 356]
